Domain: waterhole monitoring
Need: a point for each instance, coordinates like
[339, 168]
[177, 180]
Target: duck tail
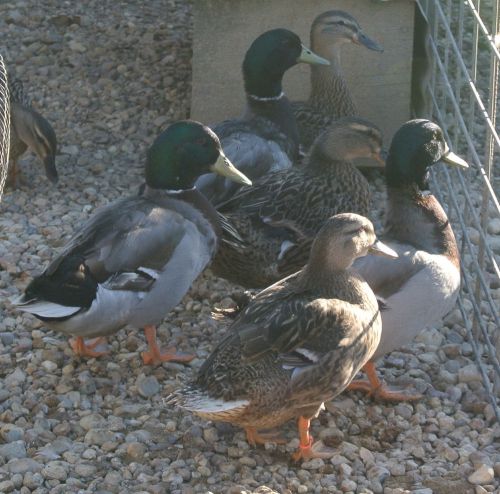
[198, 401]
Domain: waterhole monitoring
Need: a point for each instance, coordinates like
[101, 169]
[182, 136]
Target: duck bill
[308, 56]
[225, 168]
[49, 163]
[380, 249]
[364, 40]
[452, 159]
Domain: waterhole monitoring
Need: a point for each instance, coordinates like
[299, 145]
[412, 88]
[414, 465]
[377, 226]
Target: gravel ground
[110, 77]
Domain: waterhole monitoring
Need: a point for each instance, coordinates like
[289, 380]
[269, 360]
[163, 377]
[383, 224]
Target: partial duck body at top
[265, 138]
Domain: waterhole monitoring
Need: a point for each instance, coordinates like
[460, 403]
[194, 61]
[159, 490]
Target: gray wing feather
[387, 276]
[124, 236]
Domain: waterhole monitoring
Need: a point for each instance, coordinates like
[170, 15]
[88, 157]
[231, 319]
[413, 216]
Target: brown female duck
[275, 221]
[297, 344]
[330, 97]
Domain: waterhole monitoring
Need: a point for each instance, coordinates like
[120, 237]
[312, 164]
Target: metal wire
[4, 125]
[465, 104]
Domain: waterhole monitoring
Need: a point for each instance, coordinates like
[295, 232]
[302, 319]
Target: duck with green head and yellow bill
[135, 259]
[265, 139]
[421, 286]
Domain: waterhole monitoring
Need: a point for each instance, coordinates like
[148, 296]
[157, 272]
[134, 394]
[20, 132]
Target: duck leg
[255, 437]
[308, 449]
[154, 355]
[376, 388]
[83, 349]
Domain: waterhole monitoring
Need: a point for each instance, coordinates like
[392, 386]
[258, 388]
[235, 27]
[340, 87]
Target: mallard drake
[421, 286]
[29, 130]
[135, 259]
[265, 139]
[297, 344]
[275, 221]
[330, 97]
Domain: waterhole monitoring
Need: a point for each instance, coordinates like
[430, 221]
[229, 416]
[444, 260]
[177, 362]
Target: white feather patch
[150, 272]
[285, 247]
[48, 309]
[205, 404]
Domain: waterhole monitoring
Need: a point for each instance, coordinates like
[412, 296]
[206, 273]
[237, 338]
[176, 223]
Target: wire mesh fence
[462, 41]
[4, 125]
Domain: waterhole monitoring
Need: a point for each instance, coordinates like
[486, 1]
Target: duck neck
[334, 282]
[329, 91]
[418, 219]
[192, 196]
[278, 110]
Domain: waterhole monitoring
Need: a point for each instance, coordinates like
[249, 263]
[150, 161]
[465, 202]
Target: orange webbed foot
[83, 349]
[155, 357]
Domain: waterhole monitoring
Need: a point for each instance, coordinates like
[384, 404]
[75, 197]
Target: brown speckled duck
[297, 344]
[29, 130]
[330, 97]
[275, 221]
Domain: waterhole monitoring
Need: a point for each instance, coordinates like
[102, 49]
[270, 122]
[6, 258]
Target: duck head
[269, 57]
[334, 28]
[183, 152]
[345, 237]
[416, 146]
[37, 133]
[350, 138]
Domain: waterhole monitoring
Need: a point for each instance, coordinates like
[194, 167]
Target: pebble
[55, 470]
[483, 475]
[469, 374]
[148, 386]
[14, 449]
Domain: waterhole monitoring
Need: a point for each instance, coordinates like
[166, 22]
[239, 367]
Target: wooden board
[380, 82]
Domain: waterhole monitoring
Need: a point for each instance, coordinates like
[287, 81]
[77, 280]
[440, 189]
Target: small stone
[468, 374]
[49, 366]
[136, 451]
[7, 486]
[483, 475]
[148, 386]
[348, 485]
[55, 470]
[10, 433]
[23, 465]
[92, 421]
[494, 226]
[15, 449]
[85, 470]
[480, 490]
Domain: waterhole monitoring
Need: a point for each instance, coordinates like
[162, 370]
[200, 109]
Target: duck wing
[387, 276]
[255, 146]
[129, 235]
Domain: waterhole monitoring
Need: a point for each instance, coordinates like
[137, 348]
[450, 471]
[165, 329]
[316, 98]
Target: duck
[29, 130]
[297, 344]
[269, 228]
[136, 258]
[329, 98]
[421, 286]
[265, 138]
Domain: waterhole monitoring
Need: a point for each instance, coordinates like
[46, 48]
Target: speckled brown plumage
[298, 343]
[278, 217]
[330, 98]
